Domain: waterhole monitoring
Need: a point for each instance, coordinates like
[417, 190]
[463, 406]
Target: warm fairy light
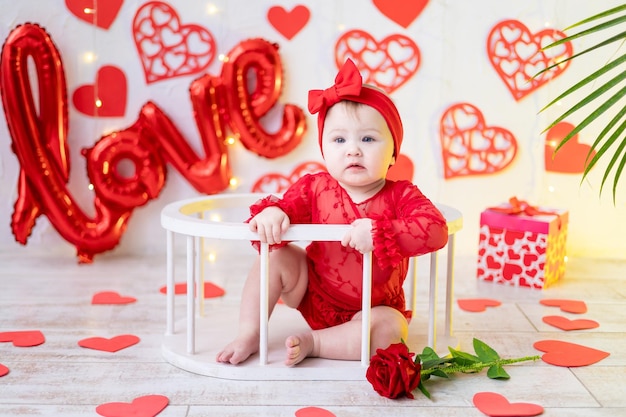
[230, 140]
[552, 143]
[90, 187]
[341, 27]
[98, 103]
[551, 188]
[211, 256]
[223, 58]
[547, 24]
[87, 10]
[233, 182]
[89, 57]
[211, 9]
[215, 218]
[565, 259]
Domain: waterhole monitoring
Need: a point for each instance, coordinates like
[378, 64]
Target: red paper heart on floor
[275, 182]
[517, 55]
[471, 147]
[3, 370]
[109, 345]
[146, 406]
[403, 12]
[167, 48]
[561, 353]
[210, 290]
[564, 323]
[111, 297]
[571, 157]
[569, 306]
[313, 412]
[287, 23]
[23, 338]
[387, 64]
[476, 305]
[102, 16]
[496, 405]
[105, 98]
[403, 169]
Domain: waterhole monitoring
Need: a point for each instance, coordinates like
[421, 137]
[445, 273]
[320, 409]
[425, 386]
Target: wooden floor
[53, 294]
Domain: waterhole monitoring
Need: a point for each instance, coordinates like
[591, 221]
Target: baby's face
[357, 145]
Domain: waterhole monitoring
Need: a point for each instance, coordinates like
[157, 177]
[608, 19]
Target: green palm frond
[614, 133]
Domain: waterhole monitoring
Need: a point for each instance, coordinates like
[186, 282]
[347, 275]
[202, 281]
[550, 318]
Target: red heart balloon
[569, 306]
[496, 405]
[564, 323]
[567, 354]
[146, 406]
[287, 23]
[23, 338]
[111, 297]
[109, 345]
[476, 305]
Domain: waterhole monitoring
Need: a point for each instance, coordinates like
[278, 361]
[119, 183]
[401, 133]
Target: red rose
[392, 371]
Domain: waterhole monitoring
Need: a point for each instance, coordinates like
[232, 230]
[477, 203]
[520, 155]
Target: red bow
[347, 83]
[521, 207]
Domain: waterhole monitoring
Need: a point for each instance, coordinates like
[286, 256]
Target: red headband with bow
[349, 86]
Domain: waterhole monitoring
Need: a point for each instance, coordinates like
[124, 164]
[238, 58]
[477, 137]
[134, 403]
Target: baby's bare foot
[298, 348]
[239, 350]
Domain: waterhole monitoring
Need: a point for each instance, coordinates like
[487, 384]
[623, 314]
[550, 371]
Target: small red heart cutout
[210, 290]
[109, 345]
[564, 323]
[476, 305]
[102, 16]
[314, 412]
[403, 169]
[403, 12]
[569, 306]
[496, 405]
[23, 338]
[287, 23]
[105, 98]
[567, 354]
[3, 370]
[111, 297]
[146, 406]
[571, 157]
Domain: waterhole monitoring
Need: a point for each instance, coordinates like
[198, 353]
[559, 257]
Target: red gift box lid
[538, 223]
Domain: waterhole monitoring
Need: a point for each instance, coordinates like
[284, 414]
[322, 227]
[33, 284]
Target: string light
[233, 183]
[98, 103]
[230, 140]
[212, 9]
[89, 57]
[87, 10]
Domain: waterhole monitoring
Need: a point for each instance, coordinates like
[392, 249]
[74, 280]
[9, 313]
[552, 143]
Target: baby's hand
[270, 224]
[360, 236]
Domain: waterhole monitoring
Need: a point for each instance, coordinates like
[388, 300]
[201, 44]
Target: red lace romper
[405, 224]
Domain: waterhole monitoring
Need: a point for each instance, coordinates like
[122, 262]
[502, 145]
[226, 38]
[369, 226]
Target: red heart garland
[403, 12]
[571, 157]
[516, 55]
[496, 405]
[105, 98]
[111, 297]
[569, 306]
[109, 345]
[3, 370]
[469, 146]
[146, 406]
[566, 324]
[567, 354]
[99, 13]
[287, 23]
[314, 412]
[387, 64]
[476, 305]
[23, 338]
[168, 49]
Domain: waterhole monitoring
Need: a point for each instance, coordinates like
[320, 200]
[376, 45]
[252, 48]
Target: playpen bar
[264, 302]
[449, 285]
[432, 301]
[366, 300]
[191, 304]
[170, 283]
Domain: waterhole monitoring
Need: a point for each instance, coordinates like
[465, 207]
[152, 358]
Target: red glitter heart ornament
[289, 23]
[109, 345]
[146, 406]
[23, 338]
[516, 55]
[167, 48]
[469, 146]
[387, 64]
[496, 405]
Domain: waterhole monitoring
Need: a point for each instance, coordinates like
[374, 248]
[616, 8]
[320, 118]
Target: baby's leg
[343, 341]
[287, 279]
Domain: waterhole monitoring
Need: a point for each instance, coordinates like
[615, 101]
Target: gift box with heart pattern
[522, 250]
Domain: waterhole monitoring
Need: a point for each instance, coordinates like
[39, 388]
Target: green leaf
[441, 374]
[463, 358]
[428, 354]
[422, 388]
[484, 352]
[497, 372]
